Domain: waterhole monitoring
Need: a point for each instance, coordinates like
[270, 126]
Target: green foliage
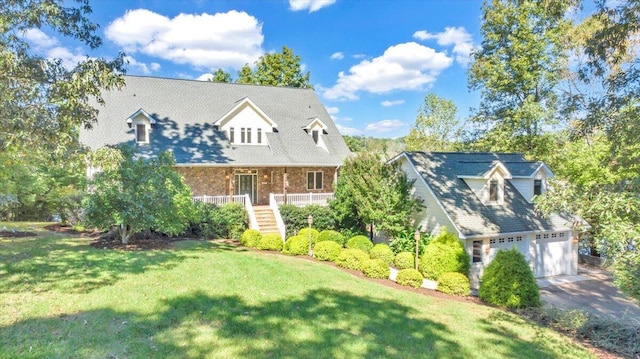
[387, 147]
[454, 283]
[211, 221]
[331, 235]
[251, 238]
[383, 252]
[296, 245]
[295, 218]
[509, 282]
[376, 268]
[327, 251]
[276, 69]
[444, 254]
[405, 260]
[139, 195]
[221, 76]
[271, 242]
[370, 191]
[352, 258]
[360, 242]
[405, 242]
[436, 127]
[314, 234]
[409, 277]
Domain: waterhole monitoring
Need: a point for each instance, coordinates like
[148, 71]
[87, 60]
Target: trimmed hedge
[444, 254]
[210, 221]
[295, 218]
[509, 282]
[360, 242]
[271, 242]
[405, 260]
[383, 252]
[250, 238]
[327, 251]
[352, 258]
[376, 268]
[314, 234]
[454, 283]
[331, 235]
[296, 245]
[409, 277]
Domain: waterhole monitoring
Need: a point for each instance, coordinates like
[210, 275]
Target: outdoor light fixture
[129, 122]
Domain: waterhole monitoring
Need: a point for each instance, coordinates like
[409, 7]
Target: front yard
[59, 297]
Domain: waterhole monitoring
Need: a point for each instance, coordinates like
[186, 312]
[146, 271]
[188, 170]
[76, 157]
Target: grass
[61, 298]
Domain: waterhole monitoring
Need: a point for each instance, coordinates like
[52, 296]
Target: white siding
[480, 187]
[524, 186]
[247, 117]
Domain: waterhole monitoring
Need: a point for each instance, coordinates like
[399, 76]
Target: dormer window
[141, 133]
[537, 187]
[315, 134]
[141, 122]
[493, 190]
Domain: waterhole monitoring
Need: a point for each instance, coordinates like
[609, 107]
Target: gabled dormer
[317, 129]
[486, 179]
[531, 178]
[141, 123]
[246, 124]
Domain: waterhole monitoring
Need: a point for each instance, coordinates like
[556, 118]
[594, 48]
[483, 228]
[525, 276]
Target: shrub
[327, 251]
[314, 234]
[295, 218]
[352, 258]
[271, 242]
[405, 260]
[508, 281]
[331, 235]
[376, 268]
[360, 242]
[383, 252]
[210, 221]
[296, 245]
[454, 283]
[405, 242]
[233, 219]
[409, 277]
[250, 238]
[444, 254]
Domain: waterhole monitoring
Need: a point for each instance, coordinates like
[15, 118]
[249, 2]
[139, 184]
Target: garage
[550, 253]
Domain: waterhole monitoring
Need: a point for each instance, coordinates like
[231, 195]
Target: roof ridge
[223, 83]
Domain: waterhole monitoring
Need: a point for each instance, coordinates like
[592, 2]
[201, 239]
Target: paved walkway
[591, 290]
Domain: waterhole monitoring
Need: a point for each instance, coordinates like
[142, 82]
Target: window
[259, 135]
[141, 133]
[519, 239]
[231, 134]
[493, 191]
[537, 187]
[242, 135]
[537, 236]
[500, 240]
[315, 134]
[554, 235]
[314, 180]
[477, 251]
[248, 135]
[492, 241]
[561, 234]
[509, 239]
[545, 236]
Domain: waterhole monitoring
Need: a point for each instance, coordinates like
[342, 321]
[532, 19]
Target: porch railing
[276, 213]
[244, 199]
[304, 199]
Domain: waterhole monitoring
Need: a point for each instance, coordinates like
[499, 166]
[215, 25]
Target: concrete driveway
[591, 290]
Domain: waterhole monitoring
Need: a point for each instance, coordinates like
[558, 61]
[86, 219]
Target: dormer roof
[143, 113]
[482, 169]
[241, 104]
[315, 122]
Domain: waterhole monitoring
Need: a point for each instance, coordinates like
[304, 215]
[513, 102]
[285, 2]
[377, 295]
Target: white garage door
[551, 254]
[506, 243]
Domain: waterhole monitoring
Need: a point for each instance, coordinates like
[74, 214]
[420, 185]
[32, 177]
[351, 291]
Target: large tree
[221, 75]
[276, 69]
[436, 127]
[517, 70]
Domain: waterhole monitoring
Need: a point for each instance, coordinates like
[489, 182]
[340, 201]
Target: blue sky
[371, 62]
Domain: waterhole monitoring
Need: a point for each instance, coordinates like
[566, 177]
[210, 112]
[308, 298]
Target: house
[486, 199]
[229, 140]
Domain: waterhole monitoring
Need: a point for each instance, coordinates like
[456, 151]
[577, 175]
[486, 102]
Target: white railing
[218, 200]
[273, 204]
[304, 199]
[253, 221]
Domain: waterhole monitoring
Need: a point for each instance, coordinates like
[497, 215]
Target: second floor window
[493, 191]
[141, 133]
[537, 187]
[231, 134]
[259, 135]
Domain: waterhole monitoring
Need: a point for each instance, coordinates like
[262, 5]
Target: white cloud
[333, 110]
[50, 48]
[457, 36]
[385, 126]
[312, 5]
[141, 66]
[337, 56]
[388, 103]
[350, 131]
[359, 56]
[221, 40]
[205, 77]
[408, 66]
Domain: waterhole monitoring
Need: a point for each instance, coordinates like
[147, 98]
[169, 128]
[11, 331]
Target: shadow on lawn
[71, 266]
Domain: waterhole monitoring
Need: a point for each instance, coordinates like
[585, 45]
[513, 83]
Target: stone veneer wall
[217, 181]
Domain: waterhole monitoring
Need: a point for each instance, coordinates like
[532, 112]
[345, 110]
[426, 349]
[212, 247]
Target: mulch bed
[16, 234]
[62, 229]
[138, 242]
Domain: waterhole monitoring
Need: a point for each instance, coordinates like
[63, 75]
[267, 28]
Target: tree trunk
[125, 233]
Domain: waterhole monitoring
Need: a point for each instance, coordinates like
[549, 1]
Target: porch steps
[266, 219]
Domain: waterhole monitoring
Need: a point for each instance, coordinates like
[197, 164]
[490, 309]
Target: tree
[436, 126]
[139, 194]
[518, 70]
[276, 69]
[372, 192]
[221, 76]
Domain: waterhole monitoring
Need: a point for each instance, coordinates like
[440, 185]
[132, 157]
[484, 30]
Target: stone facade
[217, 181]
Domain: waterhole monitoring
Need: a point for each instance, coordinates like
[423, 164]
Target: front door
[246, 183]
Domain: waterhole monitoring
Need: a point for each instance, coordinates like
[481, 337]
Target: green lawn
[61, 298]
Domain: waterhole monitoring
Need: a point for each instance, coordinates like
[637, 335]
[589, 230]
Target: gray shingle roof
[185, 111]
[440, 170]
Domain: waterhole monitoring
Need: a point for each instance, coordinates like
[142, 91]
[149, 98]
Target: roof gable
[143, 113]
[239, 107]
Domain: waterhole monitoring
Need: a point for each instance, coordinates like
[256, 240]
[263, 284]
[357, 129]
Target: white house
[486, 199]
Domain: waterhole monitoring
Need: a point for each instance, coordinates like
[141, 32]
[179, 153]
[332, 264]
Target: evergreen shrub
[404, 260]
[327, 251]
[352, 258]
[409, 277]
[271, 242]
[376, 268]
[509, 282]
[296, 245]
[331, 235]
[454, 283]
[383, 252]
[250, 238]
[360, 242]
